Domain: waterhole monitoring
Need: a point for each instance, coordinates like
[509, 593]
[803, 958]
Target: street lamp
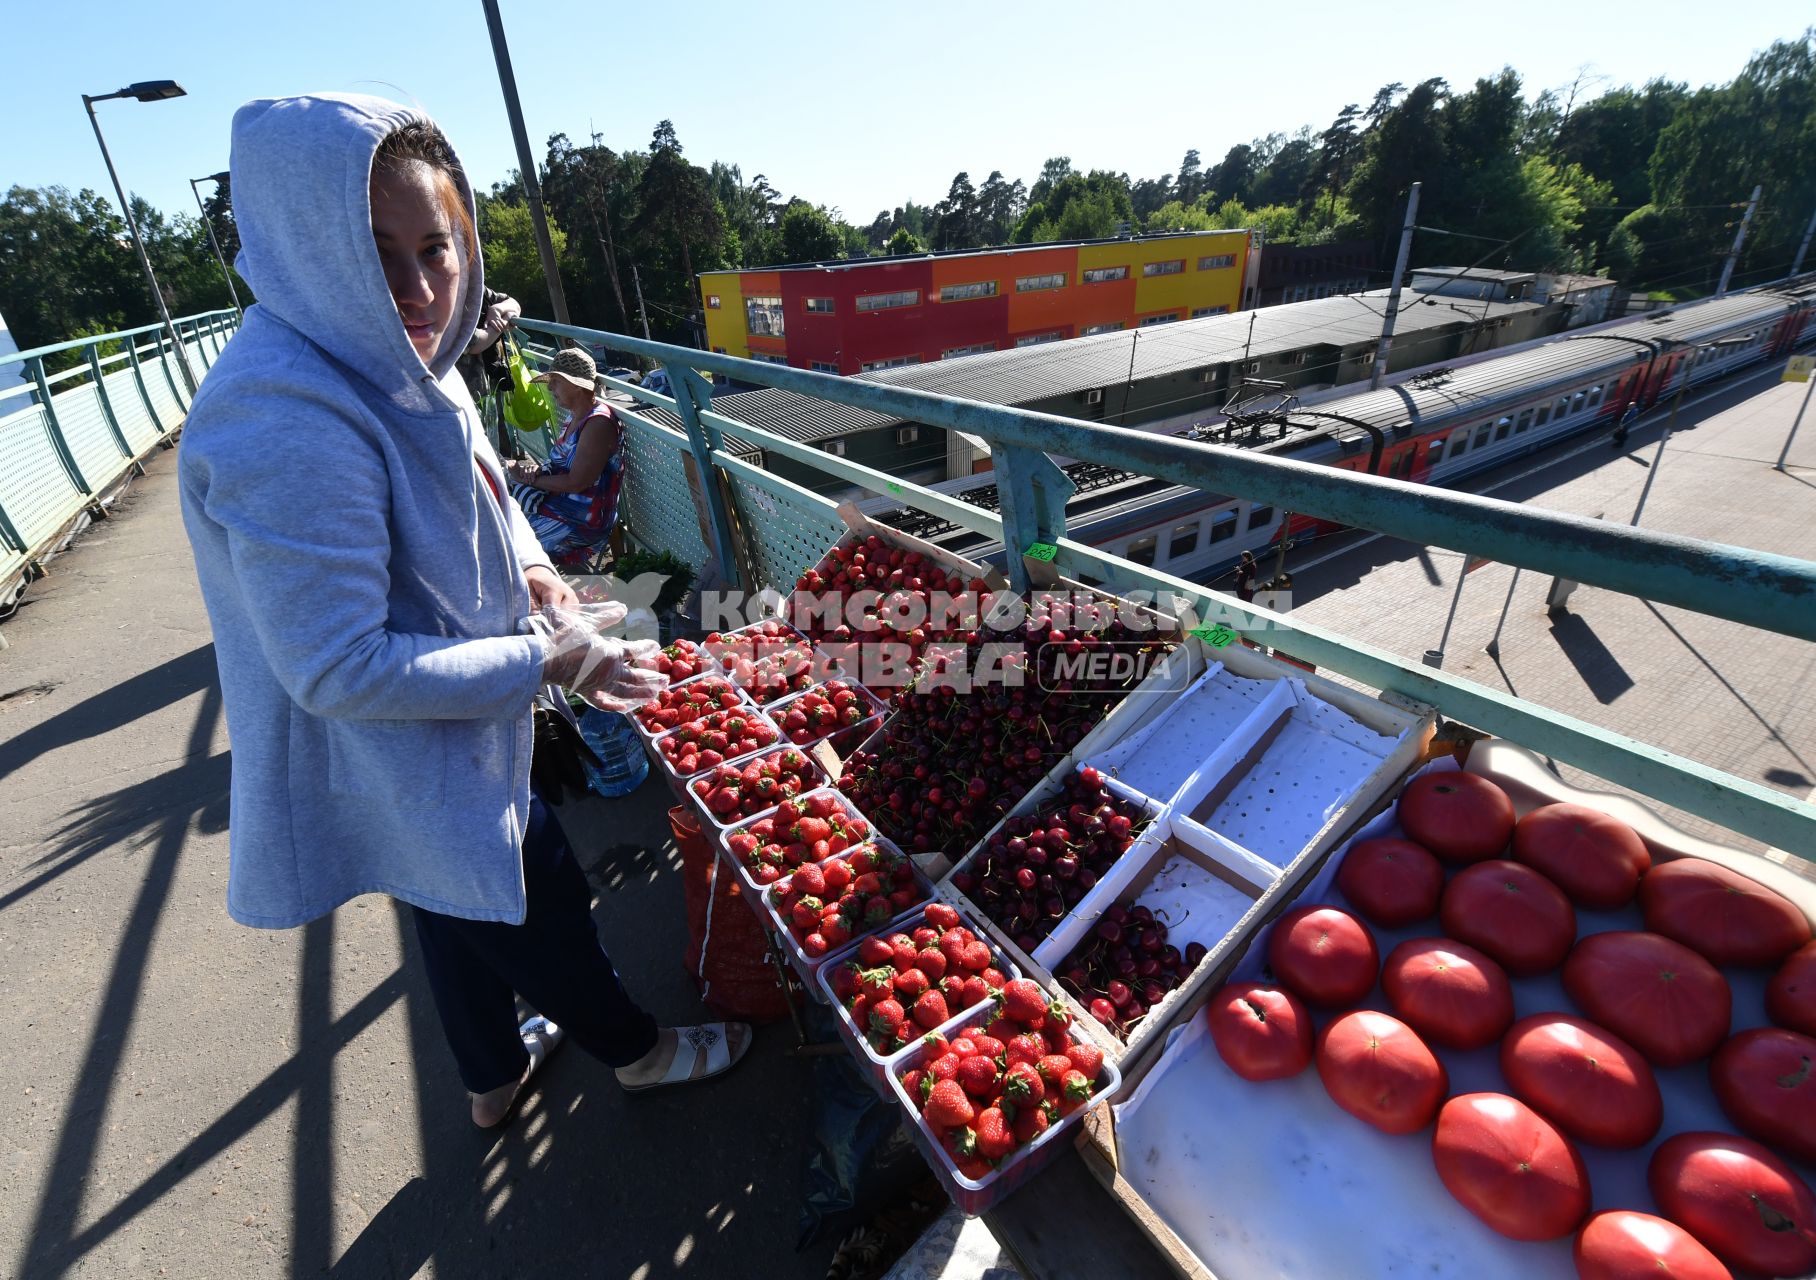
[144, 91]
[208, 225]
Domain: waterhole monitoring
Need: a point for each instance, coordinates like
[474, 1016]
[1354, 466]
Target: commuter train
[1439, 426]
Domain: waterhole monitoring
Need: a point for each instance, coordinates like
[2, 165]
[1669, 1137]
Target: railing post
[138, 376]
[692, 394]
[165, 352]
[1032, 493]
[107, 409]
[58, 444]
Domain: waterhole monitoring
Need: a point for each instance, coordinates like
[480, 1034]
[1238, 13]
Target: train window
[1576, 401]
[1458, 443]
[1503, 427]
[1563, 405]
[1223, 526]
[1595, 396]
[1481, 436]
[1184, 540]
[1141, 551]
[1434, 452]
[1544, 415]
[1260, 516]
[1403, 464]
[1524, 422]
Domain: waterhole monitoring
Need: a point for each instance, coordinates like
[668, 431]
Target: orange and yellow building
[866, 314]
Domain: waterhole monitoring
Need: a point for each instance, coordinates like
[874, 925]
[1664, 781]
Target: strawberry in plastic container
[826, 904]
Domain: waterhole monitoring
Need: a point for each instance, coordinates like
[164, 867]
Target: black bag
[559, 756]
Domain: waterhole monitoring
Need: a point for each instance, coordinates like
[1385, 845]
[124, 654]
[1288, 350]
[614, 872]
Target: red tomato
[1721, 913]
[1619, 1244]
[1765, 1079]
[1744, 1203]
[1459, 816]
[1392, 882]
[1657, 995]
[1262, 1033]
[1323, 954]
[1451, 993]
[1376, 1068]
[1589, 1082]
[1511, 912]
[1791, 995]
[1510, 1166]
[1594, 857]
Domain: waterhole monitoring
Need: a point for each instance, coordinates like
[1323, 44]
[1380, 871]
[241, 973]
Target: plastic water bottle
[623, 765]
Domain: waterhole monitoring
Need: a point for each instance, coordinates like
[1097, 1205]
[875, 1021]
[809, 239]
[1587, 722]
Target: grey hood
[302, 171]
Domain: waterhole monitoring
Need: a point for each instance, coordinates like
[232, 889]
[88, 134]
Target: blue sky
[832, 103]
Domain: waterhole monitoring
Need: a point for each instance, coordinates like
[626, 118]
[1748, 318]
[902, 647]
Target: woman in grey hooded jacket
[370, 584]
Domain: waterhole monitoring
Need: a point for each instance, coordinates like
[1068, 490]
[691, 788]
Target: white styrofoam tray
[1161, 757]
[1275, 1180]
[1312, 768]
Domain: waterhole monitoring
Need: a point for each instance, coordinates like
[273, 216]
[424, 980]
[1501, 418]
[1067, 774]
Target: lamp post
[144, 91]
[208, 225]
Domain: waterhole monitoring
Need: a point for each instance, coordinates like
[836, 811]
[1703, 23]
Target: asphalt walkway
[186, 1097]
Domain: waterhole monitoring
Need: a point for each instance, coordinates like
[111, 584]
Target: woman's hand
[549, 588]
[521, 472]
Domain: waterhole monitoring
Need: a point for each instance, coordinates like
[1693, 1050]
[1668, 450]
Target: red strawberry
[1025, 1002]
[810, 879]
[974, 991]
[1025, 1048]
[1022, 1084]
[935, 1044]
[952, 946]
[1059, 1017]
[1074, 1092]
[932, 962]
[1031, 1122]
[911, 1083]
[990, 1047]
[816, 945]
[874, 951]
[976, 957]
[992, 976]
[903, 953]
[1053, 1067]
[886, 1016]
[930, 1009]
[1087, 1059]
[873, 982]
[910, 986]
[944, 1067]
[942, 916]
[947, 1106]
[994, 1137]
[978, 1075]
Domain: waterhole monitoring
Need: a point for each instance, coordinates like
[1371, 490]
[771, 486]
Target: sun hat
[572, 365]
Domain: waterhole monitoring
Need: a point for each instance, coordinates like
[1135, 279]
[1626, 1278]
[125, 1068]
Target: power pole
[526, 162]
[1797, 264]
[1740, 236]
[642, 311]
[1393, 296]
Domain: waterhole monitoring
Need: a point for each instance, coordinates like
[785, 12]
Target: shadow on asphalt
[1600, 670]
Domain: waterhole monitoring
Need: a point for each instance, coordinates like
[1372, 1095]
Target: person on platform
[572, 500]
[383, 616]
[1628, 416]
[1246, 570]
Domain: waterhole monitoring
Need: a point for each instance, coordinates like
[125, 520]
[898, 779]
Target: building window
[1184, 540]
[885, 301]
[1217, 261]
[1259, 517]
[1116, 326]
[894, 362]
[1166, 317]
[1172, 267]
[1034, 284]
[1035, 339]
[823, 366]
[762, 357]
[1103, 275]
[907, 435]
[1199, 313]
[712, 302]
[975, 349]
[835, 447]
[819, 306]
[763, 317]
[960, 292]
[1223, 526]
[719, 350]
[1141, 551]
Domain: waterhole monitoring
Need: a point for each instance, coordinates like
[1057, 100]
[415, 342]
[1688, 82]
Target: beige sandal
[540, 1040]
[701, 1053]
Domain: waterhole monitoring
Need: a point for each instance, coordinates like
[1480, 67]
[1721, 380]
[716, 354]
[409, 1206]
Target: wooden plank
[1064, 1224]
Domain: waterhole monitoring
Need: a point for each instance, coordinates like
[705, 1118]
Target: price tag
[1218, 637]
[1041, 551]
[892, 486]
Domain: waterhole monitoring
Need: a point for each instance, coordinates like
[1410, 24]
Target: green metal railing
[68, 438]
[787, 528]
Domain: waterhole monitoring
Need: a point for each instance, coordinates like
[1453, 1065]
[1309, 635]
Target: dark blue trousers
[477, 969]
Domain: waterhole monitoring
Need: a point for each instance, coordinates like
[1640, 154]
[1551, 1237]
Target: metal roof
[1475, 273]
[1026, 374]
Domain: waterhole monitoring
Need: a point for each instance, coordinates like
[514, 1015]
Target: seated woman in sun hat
[572, 500]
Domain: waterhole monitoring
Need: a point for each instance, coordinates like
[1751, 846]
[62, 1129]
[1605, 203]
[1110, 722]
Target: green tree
[1056, 169]
[903, 242]
[999, 204]
[957, 216]
[513, 262]
[1104, 206]
[586, 189]
[1407, 144]
[809, 234]
[678, 221]
[1175, 215]
[1233, 178]
[1190, 184]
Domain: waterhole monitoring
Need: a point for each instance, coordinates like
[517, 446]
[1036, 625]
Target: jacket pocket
[402, 763]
